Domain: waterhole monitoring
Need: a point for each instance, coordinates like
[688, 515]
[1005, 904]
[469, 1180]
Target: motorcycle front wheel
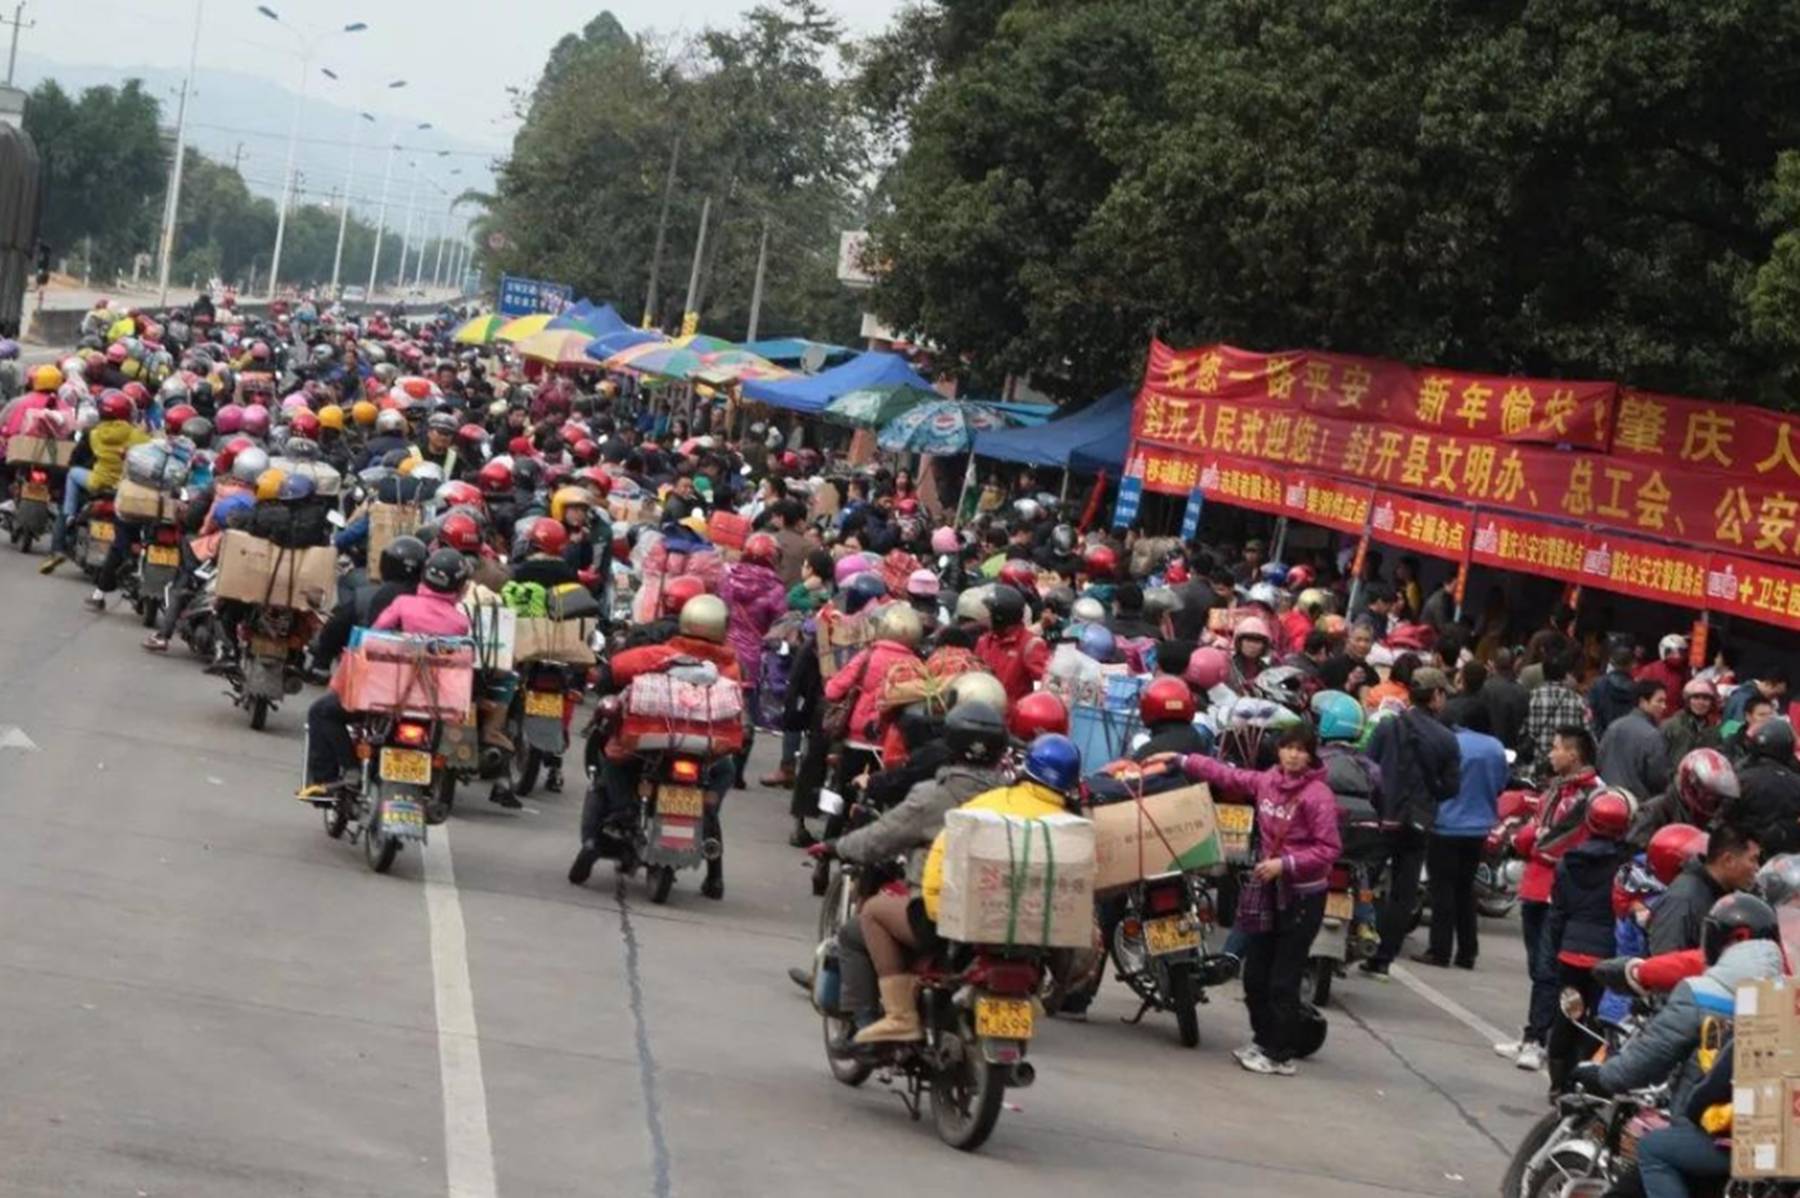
[1495, 907]
[849, 1071]
[259, 714]
[1527, 1176]
[966, 1097]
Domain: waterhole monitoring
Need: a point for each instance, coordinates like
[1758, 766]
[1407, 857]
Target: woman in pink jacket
[754, 599]
[897, 636]
[1281, 902]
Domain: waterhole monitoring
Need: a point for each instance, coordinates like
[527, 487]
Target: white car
[354, 295]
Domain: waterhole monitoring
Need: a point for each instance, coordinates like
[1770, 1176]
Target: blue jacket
[1475, 808]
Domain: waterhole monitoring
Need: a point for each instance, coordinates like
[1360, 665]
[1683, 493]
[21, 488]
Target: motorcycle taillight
[413, 735]
[684, 769]
[1009, 977]
[1167, 899]
[40, 477]
[168, 534]
[1340, 877]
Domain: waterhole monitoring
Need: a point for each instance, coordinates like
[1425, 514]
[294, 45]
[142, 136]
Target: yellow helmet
[268, 484]
[364, 412]
[46, 378]
[131, 368]
[331, 416]
[567, 497]
[406, 465]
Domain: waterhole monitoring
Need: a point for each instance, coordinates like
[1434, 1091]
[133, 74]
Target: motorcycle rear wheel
[259, 714]
[662, 880]
[966, 1097]
[1515, 1184]
[1183, 998]
[337, 818]
[525, 763]
[379, 849]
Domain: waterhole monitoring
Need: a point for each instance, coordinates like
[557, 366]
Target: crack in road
[646, 1059]
[1463, 1112]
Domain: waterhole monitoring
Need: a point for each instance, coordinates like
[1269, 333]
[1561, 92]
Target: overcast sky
[459, 56]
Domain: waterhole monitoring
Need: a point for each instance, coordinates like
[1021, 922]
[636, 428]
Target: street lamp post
[412, 195]
[172, 211]
[387, 176]
[307, 46]
[337, 257]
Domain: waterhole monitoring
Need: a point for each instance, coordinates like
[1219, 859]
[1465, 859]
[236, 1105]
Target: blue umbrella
[605, 346]
[944, 427]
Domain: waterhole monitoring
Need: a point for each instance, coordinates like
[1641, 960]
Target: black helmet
[1061, 600]
[403, 560]
[445, 571]
[1774, 740]
[199, 430]
[1735, 918]
[975, 732]
[861, 591]
[1006, 606]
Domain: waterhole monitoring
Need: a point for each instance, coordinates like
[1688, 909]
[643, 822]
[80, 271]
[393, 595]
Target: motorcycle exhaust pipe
[712, 849]
[292, 684]
[1022, 1075]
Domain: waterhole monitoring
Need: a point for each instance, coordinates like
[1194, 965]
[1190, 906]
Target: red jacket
[1016, 656]
[867, 673]
[1294, 628]
[1673, 678]
[1561, 826]
[650, 659]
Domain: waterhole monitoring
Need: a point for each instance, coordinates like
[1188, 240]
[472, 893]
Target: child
[1579, 928]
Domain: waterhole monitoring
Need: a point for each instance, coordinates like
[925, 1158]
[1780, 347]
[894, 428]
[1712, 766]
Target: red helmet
[1704, 779]
[116, 352]
[1019, 573]
[137, 393]
[1100, 561]
[471, 434]
[460, 532]
[1672, 847]
[597, 480]
[678, 590]
[116, 405]
[547, 536]
[304, 424]
[789, 461]
[1300, 577]
[180, 414]
[1037, 713]
[260, 351]
[1609, 813]
[1167, 700]
[495, 478]
[585, 452]
[519, 447]
[460, 494]
[762, 549]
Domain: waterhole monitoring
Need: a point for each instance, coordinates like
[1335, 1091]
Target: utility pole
[172, 211]
[756, 292]
[662, 229]
[690, 319]
[18, 22]
[237, 158]
[380, 220]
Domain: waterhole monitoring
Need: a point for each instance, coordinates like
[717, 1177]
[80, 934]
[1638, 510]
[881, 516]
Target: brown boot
[899, 1022]
[781, 779]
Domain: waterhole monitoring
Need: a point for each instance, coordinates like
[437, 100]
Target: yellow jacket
[1026, 800]
[109, 440]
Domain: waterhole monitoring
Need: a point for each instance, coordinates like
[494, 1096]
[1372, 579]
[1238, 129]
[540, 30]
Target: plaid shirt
[1553, 705]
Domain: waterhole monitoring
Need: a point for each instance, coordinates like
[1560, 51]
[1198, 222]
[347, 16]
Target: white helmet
[1088, 610]
[390, 421]
[428, 472]
[249, 465]
[1673, 644]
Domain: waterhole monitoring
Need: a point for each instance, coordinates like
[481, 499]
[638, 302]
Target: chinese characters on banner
[1376, 391]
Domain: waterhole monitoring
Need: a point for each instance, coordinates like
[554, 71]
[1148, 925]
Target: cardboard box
[252, 570]
[1766, 1029]
[426, 677]
[136, 502]
[386, 522]
[39, 451]
[1009, 881]
[1765, 1128]
[538, 639]
[1173, 832]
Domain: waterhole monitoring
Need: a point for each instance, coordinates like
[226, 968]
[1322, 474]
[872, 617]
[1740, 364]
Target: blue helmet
[861, 591]
[1339, 715]
[1097, 641]
[296, 487]
[1054, 761]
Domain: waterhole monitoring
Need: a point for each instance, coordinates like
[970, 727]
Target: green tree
[103, 169]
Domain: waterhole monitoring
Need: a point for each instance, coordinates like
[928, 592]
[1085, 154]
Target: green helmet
[1340, 716]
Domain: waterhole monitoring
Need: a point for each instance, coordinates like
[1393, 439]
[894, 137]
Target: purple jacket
[755, 599]
[1295, 811]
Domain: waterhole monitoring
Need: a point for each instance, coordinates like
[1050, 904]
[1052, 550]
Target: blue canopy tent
[791, 351]
[811, 393]
[1092, 439]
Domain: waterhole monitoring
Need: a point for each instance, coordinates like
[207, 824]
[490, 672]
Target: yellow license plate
[1171, 935]
[101, 531]
[163, 555]
[1340, 904]
[680, 800]
[262, 646]
[544, 703]
[35, 491]
[1235, 818]
[406, 765]
[1003, 1018]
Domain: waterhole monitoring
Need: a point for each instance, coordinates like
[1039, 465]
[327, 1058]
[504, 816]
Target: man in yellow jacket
[891, 925]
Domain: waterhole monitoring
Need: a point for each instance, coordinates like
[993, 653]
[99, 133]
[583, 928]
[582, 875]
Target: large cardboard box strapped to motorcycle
[1765, 1114]
[252, 570]
[386, 522]
[1176, 831]
[39, 451]
[1012, 881]
[566, 641]
[135, 501]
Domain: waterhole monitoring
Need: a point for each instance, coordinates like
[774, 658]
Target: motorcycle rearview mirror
[1512, 756]
[1572, 1005]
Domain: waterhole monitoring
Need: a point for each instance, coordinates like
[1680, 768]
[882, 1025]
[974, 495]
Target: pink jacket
[755, 598]
[1295, 811]
[22, 410]
[428, 612]
[866, 673]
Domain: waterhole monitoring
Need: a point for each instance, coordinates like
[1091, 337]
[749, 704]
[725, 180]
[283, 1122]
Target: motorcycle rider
[893, 925]
[1696, 725]
[1768, 803]
[974, 740]
[104, 450]
[1704, 782]
[402, 562]
[1730, 864]
[1579, 930]
[609, 808]
[1009, 649]
[1166, 706]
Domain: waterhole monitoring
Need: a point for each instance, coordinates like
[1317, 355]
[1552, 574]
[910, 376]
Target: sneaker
[800, 977]
[1377, 970]
[156, 644]
[1244, 1050]
[96, 601]
[1256, 1061]
[505, 798]
[1531, 1058]
[801, 837]
[49, 564]
[1510, 1049]
[553, 783]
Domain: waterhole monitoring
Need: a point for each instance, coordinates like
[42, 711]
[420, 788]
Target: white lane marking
[468, 1145]
[1449, 1006]
[13, 737]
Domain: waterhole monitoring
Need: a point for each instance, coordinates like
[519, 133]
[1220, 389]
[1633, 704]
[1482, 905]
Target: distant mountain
[230, 110]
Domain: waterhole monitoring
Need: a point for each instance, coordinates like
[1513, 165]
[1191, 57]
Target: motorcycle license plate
[1340, 904]
[406, 765]
[1003, 1018]
[163, 555]
[101, 531]
[403, 818]
[544, 703]
[36, 491]
[1171, 935]
[1235, 818]
[262, 646]
[680, 800]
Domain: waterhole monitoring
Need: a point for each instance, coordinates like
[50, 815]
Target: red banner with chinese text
[1255, 485]
[1645, 569]
[1378, 391]
[1758, 590]
[1421, 526]
[1531, 546]
[1691, 434]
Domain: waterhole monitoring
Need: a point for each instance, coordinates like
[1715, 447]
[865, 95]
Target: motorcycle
[32, 510]
[392, 808]
[1349, 932]
[976, 1008]
[1157, 938]
[95, 529]
[198, 626]
[536, 725]
[159, 562]
[669, 834]
[1501, 870]
[272, 660]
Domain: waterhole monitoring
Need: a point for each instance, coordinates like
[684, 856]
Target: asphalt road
[201, 995]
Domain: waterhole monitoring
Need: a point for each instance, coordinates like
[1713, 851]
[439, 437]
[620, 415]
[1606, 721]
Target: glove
[589, 578]
[821, 850]
[1586, 1077]
[1190, 766]
[1615, 973]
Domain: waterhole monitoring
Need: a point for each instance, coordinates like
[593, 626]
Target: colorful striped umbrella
[478, 331]
[736, 365]
[524, 326]
[944, 427]
[559, 347]
[673, 359]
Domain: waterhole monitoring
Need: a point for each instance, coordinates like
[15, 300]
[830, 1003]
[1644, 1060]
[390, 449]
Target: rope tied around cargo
[1019, 876]
[1134, 783]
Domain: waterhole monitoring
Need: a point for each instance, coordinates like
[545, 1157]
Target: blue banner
[522, 297]
[1190, 519]
[1131, 493]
